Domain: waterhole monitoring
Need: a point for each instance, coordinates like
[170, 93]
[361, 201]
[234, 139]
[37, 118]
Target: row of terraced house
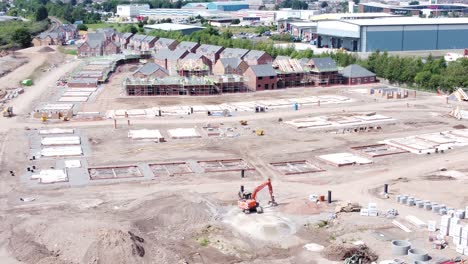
[215, 69]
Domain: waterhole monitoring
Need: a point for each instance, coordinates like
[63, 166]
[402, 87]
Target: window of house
[371, 79]
[272, 77]
[260, 78]
[353, 80]
[266, 86]
[365, 79]
[259, 86]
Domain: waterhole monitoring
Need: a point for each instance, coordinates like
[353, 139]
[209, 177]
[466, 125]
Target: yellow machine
[8, 112]
[259, 132]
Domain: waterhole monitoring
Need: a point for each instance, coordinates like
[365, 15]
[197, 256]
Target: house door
[359, 81]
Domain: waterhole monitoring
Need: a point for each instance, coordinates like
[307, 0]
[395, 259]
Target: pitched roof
[138, 37]
[263, 70]
[126, 35]
[148, 39]
[150, 68]
[209, 49]
[324, 64]
[163, 54]
[254, 55]
[53, 35]
[193, 56]
[187, 45]
[356, 71]
[288, 65]
[96, 36]
[230, 62]
[165, 41]
[233, 53]
[96, 39]
[282, 58]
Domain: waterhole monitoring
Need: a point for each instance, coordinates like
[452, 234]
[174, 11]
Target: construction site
[307, 175]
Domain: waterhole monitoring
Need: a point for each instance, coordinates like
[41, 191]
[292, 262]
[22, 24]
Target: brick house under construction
[194, 65]
[323, 72]
[291, 73]
[177, 85]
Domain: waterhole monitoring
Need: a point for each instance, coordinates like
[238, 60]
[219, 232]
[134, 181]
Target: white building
[131, 10]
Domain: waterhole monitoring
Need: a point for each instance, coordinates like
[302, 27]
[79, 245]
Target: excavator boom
[261, 186]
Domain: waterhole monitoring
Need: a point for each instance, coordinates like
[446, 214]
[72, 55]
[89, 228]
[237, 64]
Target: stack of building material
[451, 226]
[371, 210]
[50, 176]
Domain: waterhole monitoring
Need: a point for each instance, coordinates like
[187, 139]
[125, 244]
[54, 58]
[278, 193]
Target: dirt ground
[193, 218]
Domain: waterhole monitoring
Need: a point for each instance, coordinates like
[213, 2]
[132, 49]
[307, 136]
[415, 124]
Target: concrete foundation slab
[180, 133]
[73, 99]
[52, 131]
[114, 172]
[344, 159]
[170, 169]
[62, 151]
[78, 94]
[72, 164]
[379, 150]
[146, 134]
[58, 141]
[296, 167]
[50, 176]
[224, 165]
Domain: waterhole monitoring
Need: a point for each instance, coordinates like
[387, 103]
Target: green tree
[236, 21]
[22, 37]
[413, 3]
[82, 27]
[323, 4]
[226, 34]
[41, 13]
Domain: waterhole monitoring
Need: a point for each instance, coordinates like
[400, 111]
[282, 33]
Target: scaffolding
[291, 73]
[190, 68]
[180, 85]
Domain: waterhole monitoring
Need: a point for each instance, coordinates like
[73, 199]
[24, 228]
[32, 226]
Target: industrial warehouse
[394, 34]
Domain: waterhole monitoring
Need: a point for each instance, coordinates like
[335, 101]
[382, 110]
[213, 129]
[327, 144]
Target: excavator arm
[260, 187]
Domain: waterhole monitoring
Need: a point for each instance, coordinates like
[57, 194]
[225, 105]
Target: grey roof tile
[263, 70]
[233, 53]
[230, 62]
[150, 68]
[356, 71]
[324, 64]
[254, 54]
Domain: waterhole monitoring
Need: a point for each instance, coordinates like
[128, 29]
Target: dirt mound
[116, 246]
[338, 252]
[27, 250]
[172, 212]
[269, 226]
[46, 49]
[459, 126]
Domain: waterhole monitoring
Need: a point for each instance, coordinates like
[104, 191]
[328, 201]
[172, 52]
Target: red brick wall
[355, 81]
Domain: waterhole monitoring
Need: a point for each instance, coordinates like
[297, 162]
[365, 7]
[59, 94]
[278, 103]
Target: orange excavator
[247, 201]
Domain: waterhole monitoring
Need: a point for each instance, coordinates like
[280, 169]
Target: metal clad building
[394, 34]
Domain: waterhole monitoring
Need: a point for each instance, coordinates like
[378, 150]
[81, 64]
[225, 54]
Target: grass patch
[119, 27]
[63, 50]
[237, 30]
[204, 242]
